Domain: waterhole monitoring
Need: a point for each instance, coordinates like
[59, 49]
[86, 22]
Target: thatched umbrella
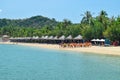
[50, 38]
[69, 37]
[79, 37]
[62, 37]
[55, 38]
[46, 37]
[44, 40]
[36, 37]
[5, 36]
[42, 37]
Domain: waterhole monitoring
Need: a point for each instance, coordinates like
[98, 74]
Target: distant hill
[35, 21]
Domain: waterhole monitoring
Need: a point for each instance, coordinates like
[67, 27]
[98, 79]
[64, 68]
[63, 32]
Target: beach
[111, 50]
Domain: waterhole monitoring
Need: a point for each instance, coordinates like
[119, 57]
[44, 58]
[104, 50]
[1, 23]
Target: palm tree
[66, 22]
[87, 18]
[102, 15]
[103, 18]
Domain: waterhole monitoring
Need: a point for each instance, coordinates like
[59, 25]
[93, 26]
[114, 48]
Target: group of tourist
[75, 45]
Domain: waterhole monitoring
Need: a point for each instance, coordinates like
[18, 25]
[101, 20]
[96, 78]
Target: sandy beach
[94, 49]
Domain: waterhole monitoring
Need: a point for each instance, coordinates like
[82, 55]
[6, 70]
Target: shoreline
[90, 50]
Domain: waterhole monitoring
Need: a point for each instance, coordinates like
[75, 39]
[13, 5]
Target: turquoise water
[29, 63]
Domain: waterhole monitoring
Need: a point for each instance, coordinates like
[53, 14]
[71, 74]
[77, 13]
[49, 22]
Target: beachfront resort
[77, 44]
[59, 40]
[98, 34]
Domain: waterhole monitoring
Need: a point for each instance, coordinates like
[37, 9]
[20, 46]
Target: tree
[66, 23]
[103, 18]
[87, 17]
[113, 32]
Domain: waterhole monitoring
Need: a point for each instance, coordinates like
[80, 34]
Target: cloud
[0, 10]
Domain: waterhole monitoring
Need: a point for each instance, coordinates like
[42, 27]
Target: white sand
[93, 49]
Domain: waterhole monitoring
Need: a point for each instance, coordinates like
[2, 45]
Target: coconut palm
[87, 17]
[103, 18]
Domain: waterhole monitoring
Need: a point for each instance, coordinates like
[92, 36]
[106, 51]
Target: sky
[58, 9]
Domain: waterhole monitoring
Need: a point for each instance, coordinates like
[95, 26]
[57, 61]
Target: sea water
[32, 63]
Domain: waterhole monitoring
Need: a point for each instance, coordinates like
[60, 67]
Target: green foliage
[90, 27]
[113, 32]
[100, 26]
[35, 21]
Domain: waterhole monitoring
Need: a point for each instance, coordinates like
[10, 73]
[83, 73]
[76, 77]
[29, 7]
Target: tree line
[89, 27]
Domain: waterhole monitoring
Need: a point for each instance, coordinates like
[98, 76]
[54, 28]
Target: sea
[32, 63]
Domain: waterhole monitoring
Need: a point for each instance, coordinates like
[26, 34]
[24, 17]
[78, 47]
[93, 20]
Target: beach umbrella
[62, 37]
[102, 40]
[42, 37]
[36, 37]
[93, 40]
[26, 38]
[55, 38]
[33, 37]
[11, 38]
[69, 37]
[51, 37]
[78, 37]
[46, 37]
[98, 40]
[4, 36]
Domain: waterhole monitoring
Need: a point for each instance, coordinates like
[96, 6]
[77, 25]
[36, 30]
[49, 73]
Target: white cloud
[0, 10]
